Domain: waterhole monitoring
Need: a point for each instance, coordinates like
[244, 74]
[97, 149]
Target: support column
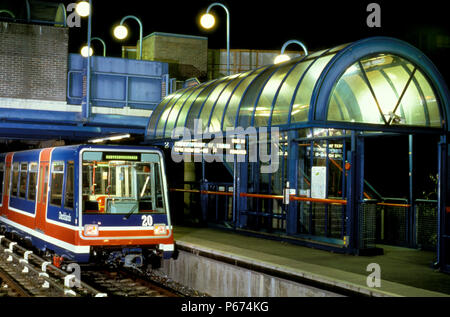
[292, 174]
[411, 219]
[189, 176]
[355, 190]
[443, 221]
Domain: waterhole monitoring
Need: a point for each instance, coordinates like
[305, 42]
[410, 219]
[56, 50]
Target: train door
[41, 199]
[6, 178]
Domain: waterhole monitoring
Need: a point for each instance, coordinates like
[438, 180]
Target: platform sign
[319, 182]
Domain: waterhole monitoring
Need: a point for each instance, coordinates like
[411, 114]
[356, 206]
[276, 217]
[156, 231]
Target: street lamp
[84, 49]
[121, 32]
[207, 21]
[83, 8]
[283, 57]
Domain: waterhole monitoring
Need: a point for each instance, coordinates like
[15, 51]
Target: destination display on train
[121, 156]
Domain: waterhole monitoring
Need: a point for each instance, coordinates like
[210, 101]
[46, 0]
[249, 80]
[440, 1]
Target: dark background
[269, 24]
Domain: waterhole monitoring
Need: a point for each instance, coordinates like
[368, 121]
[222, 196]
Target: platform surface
[404, 272]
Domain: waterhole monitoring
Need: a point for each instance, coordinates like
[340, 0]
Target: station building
[318, 116]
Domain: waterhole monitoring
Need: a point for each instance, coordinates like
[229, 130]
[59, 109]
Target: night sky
[268, 24]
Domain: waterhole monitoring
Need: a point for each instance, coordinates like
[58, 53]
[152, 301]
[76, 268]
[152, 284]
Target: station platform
[404, 272]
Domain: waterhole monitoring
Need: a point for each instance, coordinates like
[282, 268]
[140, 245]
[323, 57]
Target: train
[88, 203]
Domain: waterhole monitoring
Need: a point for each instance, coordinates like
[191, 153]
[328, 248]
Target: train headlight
[91, 230]
[159, 229]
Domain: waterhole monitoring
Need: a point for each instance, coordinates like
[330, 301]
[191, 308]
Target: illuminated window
[57, 183]
[68, 198]
[15, 179]
[23, 180]
[32, 180]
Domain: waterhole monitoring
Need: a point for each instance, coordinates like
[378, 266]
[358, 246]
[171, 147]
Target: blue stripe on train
[119, 221]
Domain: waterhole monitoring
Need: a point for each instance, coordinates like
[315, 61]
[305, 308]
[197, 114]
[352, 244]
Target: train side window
[57, 183]
[2, 174]
[32, 180]
[23, 180]
[45, 186]
[15, 179]
[68, 198]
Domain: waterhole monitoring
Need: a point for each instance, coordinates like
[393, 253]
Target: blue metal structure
[123, 93]
[117, 82]
[325, 106]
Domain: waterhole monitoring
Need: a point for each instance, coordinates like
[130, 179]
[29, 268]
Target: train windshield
[122, 183]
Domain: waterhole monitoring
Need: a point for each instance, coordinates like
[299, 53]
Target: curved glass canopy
[376, 81]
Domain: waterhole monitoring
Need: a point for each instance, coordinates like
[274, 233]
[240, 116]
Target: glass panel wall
[186, 107]
[210, 103]
[229, 120]
[384, 89]
[304, 92]
[247, 105]
[171, 119]
[196, 106]
[263, 109]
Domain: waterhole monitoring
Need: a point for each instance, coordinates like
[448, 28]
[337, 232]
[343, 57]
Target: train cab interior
[121, 184]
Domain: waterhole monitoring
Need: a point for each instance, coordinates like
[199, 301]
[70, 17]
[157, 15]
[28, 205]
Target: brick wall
[33, 61]
[186, 55]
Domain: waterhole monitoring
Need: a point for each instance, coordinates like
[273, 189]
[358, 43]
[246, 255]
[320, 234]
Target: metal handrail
[206, 192]
[319, 200]
[261, 196]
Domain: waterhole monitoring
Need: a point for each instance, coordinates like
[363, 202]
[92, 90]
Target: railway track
[27, 274]
[120, 282]
[24, 274]
[9, 287]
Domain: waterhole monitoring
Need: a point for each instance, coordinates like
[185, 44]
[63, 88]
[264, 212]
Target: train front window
[122, 183]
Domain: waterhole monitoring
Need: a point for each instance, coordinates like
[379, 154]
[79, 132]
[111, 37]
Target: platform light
[207, 20]
[281, 58]
[120, 32]
[110, 138]
[84, 51]
[83, 8]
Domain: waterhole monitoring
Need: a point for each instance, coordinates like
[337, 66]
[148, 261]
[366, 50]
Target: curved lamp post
[283, 57]
[121, 32]
[84, 9]
[207, 21]
[8, 12]
[84, 49]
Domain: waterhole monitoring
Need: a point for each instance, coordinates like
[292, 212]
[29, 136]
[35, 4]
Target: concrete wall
[33, 61]
[219, 279]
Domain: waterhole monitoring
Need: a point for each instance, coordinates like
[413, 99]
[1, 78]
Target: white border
[70, 247]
